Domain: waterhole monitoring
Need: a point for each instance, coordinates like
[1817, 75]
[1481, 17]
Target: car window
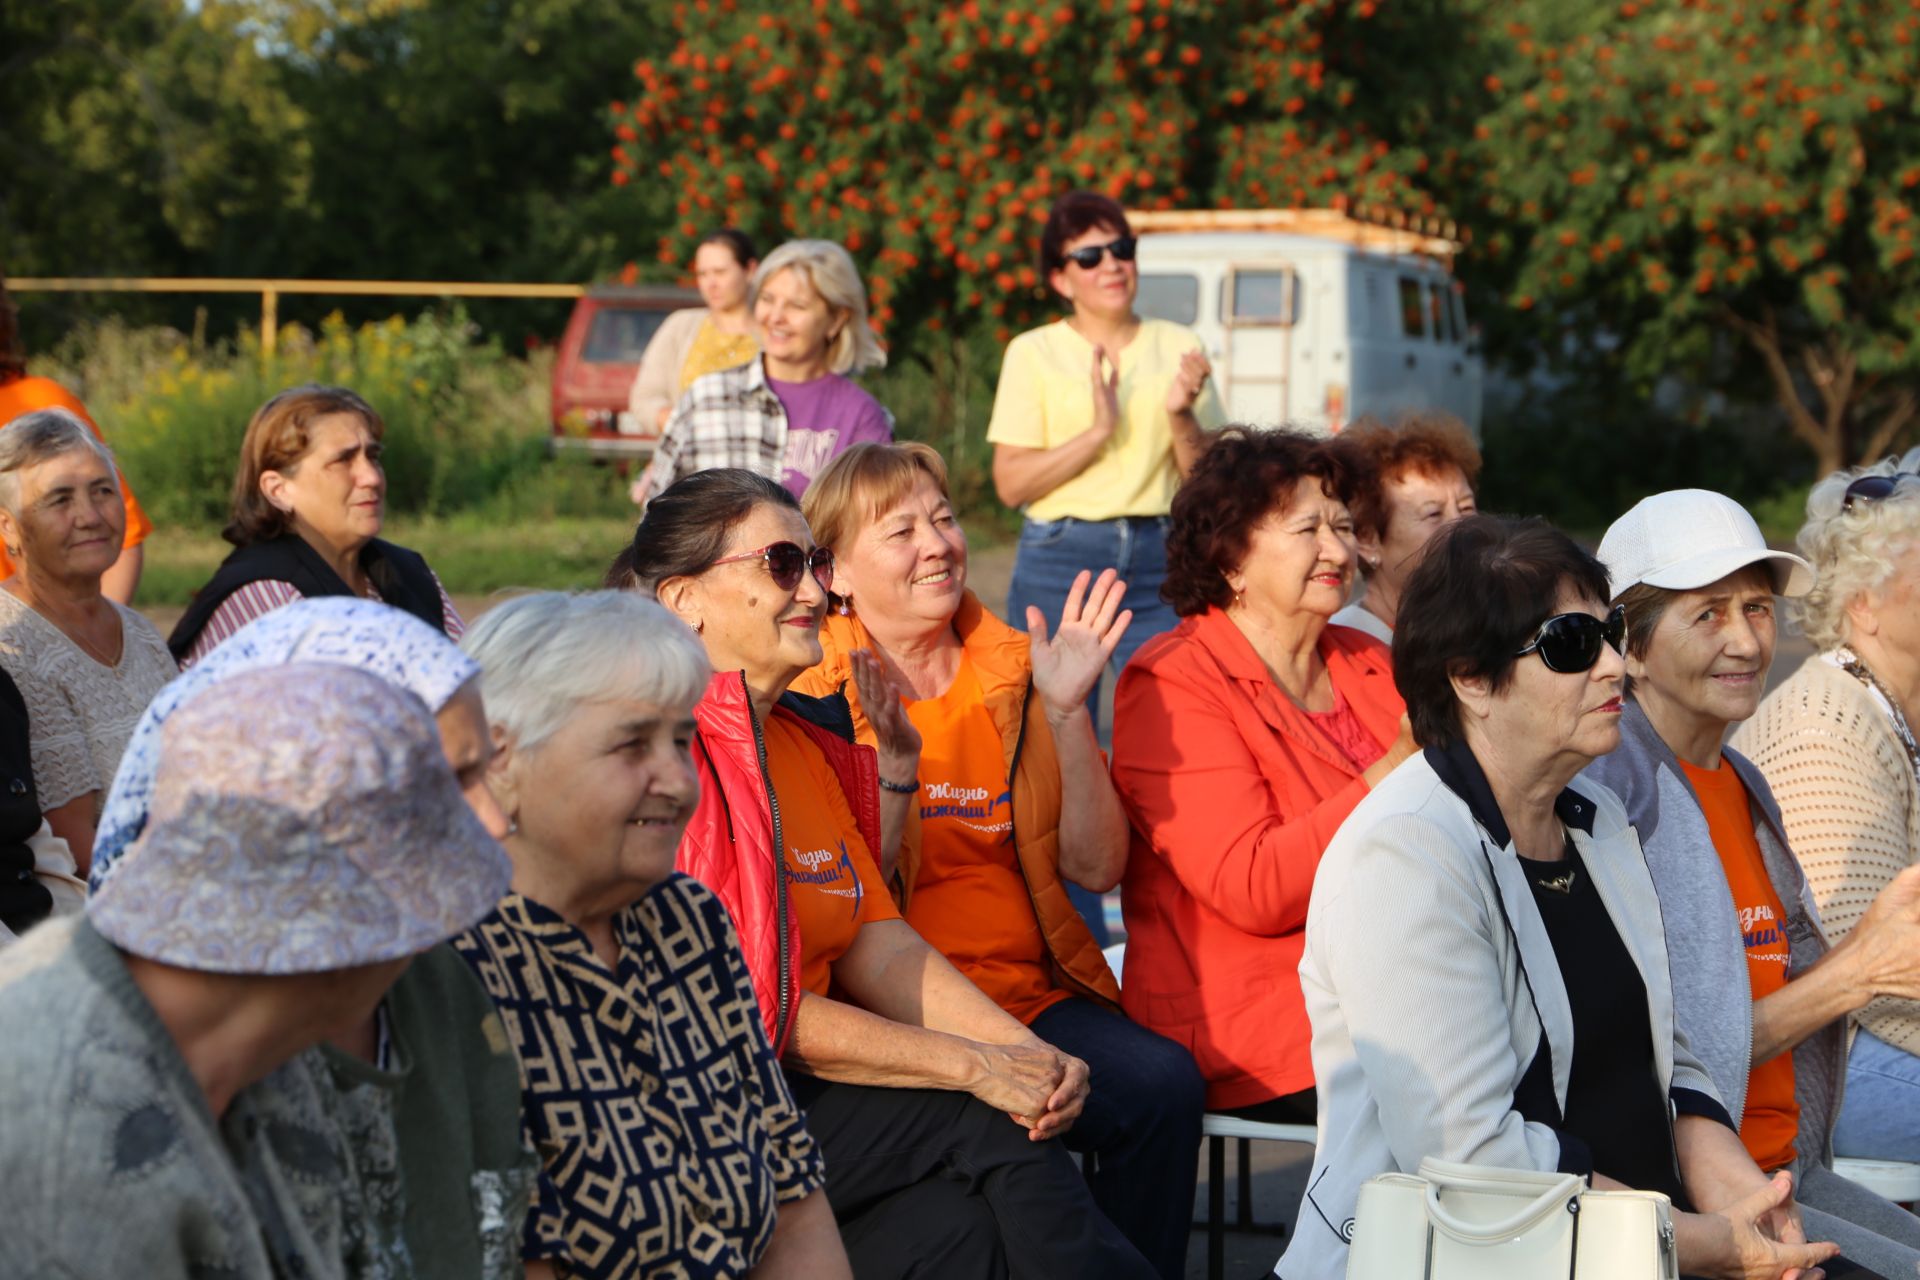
[1264, 297]
[1175, 298]
[1413, 308]
[618, 335]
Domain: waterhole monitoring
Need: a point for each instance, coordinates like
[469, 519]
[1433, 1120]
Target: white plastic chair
[1217, 1129]
[1895, 1180]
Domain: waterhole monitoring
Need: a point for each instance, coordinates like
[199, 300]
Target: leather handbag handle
[1521, 1220]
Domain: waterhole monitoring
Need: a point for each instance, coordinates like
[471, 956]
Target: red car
[594, 369]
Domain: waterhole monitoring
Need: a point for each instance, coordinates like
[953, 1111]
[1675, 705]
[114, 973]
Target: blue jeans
[1051, 552]
[1141, 1122]
[1880, 1116]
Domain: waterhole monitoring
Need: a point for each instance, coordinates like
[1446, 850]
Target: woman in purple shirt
[792, 409]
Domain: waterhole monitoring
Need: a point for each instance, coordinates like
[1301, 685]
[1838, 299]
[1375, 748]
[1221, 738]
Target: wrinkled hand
[1188, 382]
[1067, 665]
[1019, 1079]
[1886, 943]
[1064, 1107]
[894, 736]
[1399, 749]
[1756, 1237]
[1106, 393]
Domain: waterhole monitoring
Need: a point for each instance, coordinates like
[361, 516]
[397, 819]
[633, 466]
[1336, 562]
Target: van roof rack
[1371, 227]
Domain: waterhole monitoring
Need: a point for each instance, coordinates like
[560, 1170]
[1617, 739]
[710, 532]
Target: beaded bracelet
[900, 788]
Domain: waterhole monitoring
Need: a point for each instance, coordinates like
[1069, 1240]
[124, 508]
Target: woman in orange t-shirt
[20, 394]
[1005, 738]
[1758, 992]
[908, 1074]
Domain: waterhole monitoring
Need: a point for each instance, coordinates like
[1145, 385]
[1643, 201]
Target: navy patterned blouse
[664, 1122]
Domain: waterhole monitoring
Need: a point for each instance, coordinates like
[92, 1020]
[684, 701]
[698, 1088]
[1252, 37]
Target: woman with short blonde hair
[787, 413]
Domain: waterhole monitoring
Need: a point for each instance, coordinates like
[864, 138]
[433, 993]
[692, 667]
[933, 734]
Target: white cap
[1689, 538]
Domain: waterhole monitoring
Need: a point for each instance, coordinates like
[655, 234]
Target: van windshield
[619, 335]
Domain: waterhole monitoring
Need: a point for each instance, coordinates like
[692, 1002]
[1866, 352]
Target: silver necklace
[1850, 663]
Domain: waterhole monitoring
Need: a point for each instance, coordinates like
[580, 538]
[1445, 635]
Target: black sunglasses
[1089, 257]
[786, 562]
[1873, 488]
[1570, 642]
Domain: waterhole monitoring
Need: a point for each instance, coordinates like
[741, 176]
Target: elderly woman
[908, 1073]
[158, 1120]
[308, 504]
[692, 343]
[671, 1139]
[85, 664]
[426, 1088]
[1837, 746]
[1241, 740]
[1002, 719]
[1765, 999]
[1484, 969]
[1417, 479]
[786, 414]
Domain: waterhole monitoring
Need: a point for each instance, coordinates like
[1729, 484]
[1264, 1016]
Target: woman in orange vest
[988, 846]
[20, 394]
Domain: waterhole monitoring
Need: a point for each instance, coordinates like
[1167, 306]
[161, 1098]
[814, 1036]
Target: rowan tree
[1726, 188]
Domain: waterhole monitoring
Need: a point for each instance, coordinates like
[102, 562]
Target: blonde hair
[1853, 549]
[830, 271]
[864, 482]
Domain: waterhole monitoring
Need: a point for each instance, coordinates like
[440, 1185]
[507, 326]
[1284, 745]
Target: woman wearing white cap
[1759, 991]
[1836, 743]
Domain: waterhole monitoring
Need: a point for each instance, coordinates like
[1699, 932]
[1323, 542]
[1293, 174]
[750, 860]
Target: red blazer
[1233, 796]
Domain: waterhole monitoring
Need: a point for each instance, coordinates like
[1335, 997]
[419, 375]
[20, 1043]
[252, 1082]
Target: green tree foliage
[930, 137]
[1727, 188]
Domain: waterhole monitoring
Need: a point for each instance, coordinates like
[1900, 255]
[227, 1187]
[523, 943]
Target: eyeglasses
[1873, 488]
[786, 562]
[1089, 257]
[1570, 642]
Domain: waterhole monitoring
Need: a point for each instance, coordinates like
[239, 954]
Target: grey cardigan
[1711, 986]
[1441, 1025]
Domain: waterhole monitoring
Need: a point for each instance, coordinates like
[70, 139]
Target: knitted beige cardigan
[1850, 803]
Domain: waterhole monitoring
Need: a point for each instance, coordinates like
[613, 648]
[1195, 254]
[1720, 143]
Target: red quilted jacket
[732, 843]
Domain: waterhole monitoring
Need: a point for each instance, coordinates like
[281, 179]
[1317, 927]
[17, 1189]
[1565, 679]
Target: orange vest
[1000, 663]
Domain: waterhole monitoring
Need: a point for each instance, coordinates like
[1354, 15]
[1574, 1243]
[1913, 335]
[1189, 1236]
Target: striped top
[258, 599]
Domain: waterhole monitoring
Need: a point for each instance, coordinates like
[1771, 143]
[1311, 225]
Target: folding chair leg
[1245, 1155]
[1216, 1208]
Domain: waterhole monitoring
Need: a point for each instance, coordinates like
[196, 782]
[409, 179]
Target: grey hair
[829, 269]
[41, 436]
[542, 655]
[1853, 551]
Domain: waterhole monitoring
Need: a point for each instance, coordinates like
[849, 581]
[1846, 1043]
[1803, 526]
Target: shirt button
[18, 786]
[701, 1213]
[23, 876]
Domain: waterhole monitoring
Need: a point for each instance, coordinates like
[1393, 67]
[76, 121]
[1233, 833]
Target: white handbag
[1456, 1221]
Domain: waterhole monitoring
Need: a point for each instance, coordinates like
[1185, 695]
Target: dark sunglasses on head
[786, 562]
[1873, 488]
[1569, 642]
[1089, 257]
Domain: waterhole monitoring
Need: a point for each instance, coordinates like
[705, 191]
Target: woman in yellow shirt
[699, 340]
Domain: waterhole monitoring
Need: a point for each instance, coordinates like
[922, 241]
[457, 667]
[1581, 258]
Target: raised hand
[1106, 393]
[1067, 665]
[895, 738]
[1885, 945]
[1188, 382]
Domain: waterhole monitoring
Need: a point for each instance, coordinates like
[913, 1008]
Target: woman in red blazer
[1242, 739]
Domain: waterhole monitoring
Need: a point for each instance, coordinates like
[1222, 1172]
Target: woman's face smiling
[748, 621]
[908, 564]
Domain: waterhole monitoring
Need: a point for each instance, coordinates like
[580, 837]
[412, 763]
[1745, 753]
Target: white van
[1313, 317]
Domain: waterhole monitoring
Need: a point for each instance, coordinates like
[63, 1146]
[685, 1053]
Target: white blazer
[1428, 976]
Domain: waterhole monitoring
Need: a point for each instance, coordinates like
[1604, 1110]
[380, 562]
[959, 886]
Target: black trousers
[930, 1184]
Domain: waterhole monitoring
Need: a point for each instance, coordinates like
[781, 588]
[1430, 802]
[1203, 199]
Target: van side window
[1265, 297]
[1441, 314]
[1460, 314]
[1175, 298]
[1413, 308]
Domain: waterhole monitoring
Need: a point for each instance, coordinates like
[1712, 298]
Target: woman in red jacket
[907, 1072]
[1241, 741]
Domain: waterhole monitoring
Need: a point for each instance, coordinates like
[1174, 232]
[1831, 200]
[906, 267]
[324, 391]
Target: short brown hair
[1427, 443]
[1245, 474]
[1074, 214]
[865, 481]
[278, 436]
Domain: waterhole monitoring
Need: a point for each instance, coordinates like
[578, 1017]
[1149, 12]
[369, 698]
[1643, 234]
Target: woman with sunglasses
[1485, 969]
[907, 1071]
[1836, 742]
[1242, 738]
[1765, 998]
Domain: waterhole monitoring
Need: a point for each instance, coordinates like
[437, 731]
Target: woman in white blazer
[1486, 910]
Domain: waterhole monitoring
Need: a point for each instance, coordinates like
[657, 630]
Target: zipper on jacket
[779, 874]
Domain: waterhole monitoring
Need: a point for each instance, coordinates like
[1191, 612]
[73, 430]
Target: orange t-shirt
[1772, 1119]
[970, 901]
[832, 881]
[24, 395]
